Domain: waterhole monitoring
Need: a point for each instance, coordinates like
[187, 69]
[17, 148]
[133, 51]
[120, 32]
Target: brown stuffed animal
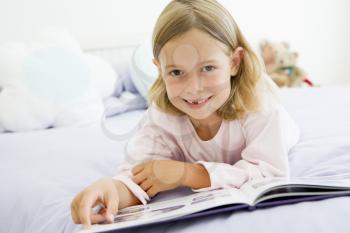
[280, 64]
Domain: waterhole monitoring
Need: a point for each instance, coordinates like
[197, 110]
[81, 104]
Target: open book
[254, 194]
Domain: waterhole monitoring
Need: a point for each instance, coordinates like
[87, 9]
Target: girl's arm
[160, 175]
[126, 197]
[196, 176]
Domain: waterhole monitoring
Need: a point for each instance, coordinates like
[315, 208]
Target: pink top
[252, 147]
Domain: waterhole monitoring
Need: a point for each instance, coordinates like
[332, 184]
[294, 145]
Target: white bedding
[40, 172]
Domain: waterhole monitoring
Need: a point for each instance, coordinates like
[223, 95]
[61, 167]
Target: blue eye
[175, 73]
[208, 68]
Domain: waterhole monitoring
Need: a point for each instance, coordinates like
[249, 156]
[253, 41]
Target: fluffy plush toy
[280, 64]
[51, 83]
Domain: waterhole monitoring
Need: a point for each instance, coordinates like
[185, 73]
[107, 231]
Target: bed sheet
[41, 171]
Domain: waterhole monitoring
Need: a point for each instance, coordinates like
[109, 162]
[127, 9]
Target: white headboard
[115, 55]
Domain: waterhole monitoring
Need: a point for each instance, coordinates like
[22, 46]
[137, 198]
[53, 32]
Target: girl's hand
[159, 175]
[103, 191]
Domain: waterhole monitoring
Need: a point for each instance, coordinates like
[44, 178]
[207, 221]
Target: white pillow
[143, 71]
[103, 75]
[51, 83]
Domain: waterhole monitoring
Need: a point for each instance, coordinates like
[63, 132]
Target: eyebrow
[203, 62]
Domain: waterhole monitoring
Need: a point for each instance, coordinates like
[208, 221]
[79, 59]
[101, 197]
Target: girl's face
[196, 70]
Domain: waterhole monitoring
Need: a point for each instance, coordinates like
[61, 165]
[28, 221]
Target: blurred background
[319, 30]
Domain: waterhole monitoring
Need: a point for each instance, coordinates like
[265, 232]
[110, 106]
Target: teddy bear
[280, 63]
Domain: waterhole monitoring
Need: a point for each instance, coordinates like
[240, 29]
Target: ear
[236, 58]
[156, 63]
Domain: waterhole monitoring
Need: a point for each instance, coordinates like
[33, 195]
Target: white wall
[318, 29]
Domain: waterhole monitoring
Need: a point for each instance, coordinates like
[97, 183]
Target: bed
[41, 171]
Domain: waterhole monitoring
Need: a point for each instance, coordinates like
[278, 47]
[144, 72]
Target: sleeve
[269, 136]
[149, 143]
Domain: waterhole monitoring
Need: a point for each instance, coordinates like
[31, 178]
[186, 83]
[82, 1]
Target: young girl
[214, 119]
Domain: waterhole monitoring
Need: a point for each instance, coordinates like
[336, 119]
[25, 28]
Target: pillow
[103, 75]
[51, 83]
[143, 71]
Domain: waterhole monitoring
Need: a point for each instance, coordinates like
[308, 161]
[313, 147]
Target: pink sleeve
[269, 136]
[149, 143]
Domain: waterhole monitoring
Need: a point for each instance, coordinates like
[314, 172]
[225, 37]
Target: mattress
[42, 171]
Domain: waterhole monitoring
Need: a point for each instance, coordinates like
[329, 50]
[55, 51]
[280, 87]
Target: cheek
[174, 88]
[221, 95]
[218, 83]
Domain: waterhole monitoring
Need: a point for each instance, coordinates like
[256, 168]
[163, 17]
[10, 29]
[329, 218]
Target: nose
[194, 83]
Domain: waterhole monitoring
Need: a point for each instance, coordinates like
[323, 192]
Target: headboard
[115, 55]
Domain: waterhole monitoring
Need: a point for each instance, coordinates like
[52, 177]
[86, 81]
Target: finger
[112, 203]
[146, 184]
[75, 208]
[85, 206]
[74, 213]
[151, 192]
[139, 178]
[138, 168]
[98, 218]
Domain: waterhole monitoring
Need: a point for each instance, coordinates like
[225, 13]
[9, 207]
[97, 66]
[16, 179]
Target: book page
[253, 189]
[281, 186]
[165, 207]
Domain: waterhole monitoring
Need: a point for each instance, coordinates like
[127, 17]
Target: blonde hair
[178, 17]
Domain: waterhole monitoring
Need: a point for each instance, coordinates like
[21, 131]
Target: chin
[199, 115]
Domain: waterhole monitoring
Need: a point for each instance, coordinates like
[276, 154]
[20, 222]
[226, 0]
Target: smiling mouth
[197, 102]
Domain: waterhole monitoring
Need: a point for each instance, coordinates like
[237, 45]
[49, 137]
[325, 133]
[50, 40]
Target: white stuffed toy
[51, 83]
